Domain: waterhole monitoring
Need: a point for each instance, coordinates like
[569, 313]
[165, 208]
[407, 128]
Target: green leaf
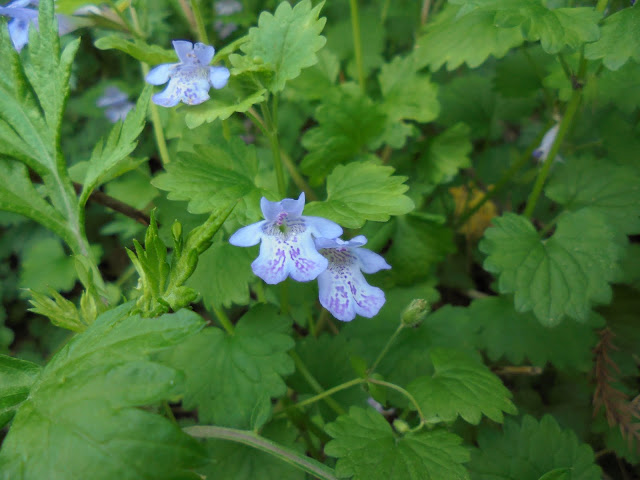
[45, 264]
[460, 386]
[16, 379]
[556, 29]
[232, 460]
[529, 450]
[226, 375]
[223, 275]
[521, 338]
[18, 195]
[225, 103]
[362, 191]
[348, 125]
[557, 474]
[559, 276]
[138, 49]
[367, 448]
[151, 264]
[110, 159]
[471, 39]
[614, 191]
[407, 94]
[81, 414]
[215, 175]
[62, 312]
[418, 245]
[286, 41]
[619, 40]
[446, 155]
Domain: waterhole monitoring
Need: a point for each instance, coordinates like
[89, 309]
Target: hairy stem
[565, 124]
[304, 371]
[357, 43]
[301, 461]
[202, 32]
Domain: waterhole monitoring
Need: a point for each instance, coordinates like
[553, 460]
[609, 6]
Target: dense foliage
[446, 199]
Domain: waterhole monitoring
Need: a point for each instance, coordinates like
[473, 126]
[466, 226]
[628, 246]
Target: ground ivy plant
[370, 239]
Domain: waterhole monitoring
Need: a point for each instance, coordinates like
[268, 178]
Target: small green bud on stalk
[415, 312]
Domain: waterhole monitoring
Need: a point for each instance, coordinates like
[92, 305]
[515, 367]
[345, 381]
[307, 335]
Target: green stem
[327, 393]
[357, 43]
[322, 394]
[386, 348]
[601, 6]
[401, 390]
[223, 319]
[202, 32]
[566, 122]
[157, 125]
[309, 465]
[565, 67]
[271, 125]
[505, 178]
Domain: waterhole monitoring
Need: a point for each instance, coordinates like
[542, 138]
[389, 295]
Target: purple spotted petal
[191, 84]
[370, 262]
[204, 53]
[321, 227]
[184, 49]
[344, 291]
[160, 75]
[247, 236]
[169, 97]
[219, 76]
[293, 254]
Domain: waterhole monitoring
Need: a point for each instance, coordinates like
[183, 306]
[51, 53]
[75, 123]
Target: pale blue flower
[543, 149]
[287, 247]
[116, 104]
[342, 287]
[23, 16]
[191, 78]
[224, 8]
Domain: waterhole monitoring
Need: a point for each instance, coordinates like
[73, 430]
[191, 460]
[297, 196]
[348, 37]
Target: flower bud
[401, 426]
[415, 312]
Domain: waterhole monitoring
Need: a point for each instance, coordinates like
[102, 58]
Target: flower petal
[112, 96]
[204, 53]
[295, 255]
[321, 227]
[344, 292]
[19, 13]
[219, 76]
[247, 236]
[270, 210]
[19, 33]
[170, 97]
[160, 74]
[370, 262]
[293, 207]
[184, 49]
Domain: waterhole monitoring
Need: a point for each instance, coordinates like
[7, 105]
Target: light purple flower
[286, 236]
[343, 289]
[543, 149]
[116, 104]
[191, 78]
[23, 17]
[224, 8]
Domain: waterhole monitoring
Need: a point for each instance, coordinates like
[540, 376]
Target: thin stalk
[297, 178]
[601, 6]
[322, 394]
[301, 461]
[223, 319]
[272, 133]
[161, 142]
[565, 124]
[357, 43]
[565, 67]
[386, 348]
[190, 17]
[505, 178]
[327, 393]
[202, 32]
[401, 390]
[424, 12]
